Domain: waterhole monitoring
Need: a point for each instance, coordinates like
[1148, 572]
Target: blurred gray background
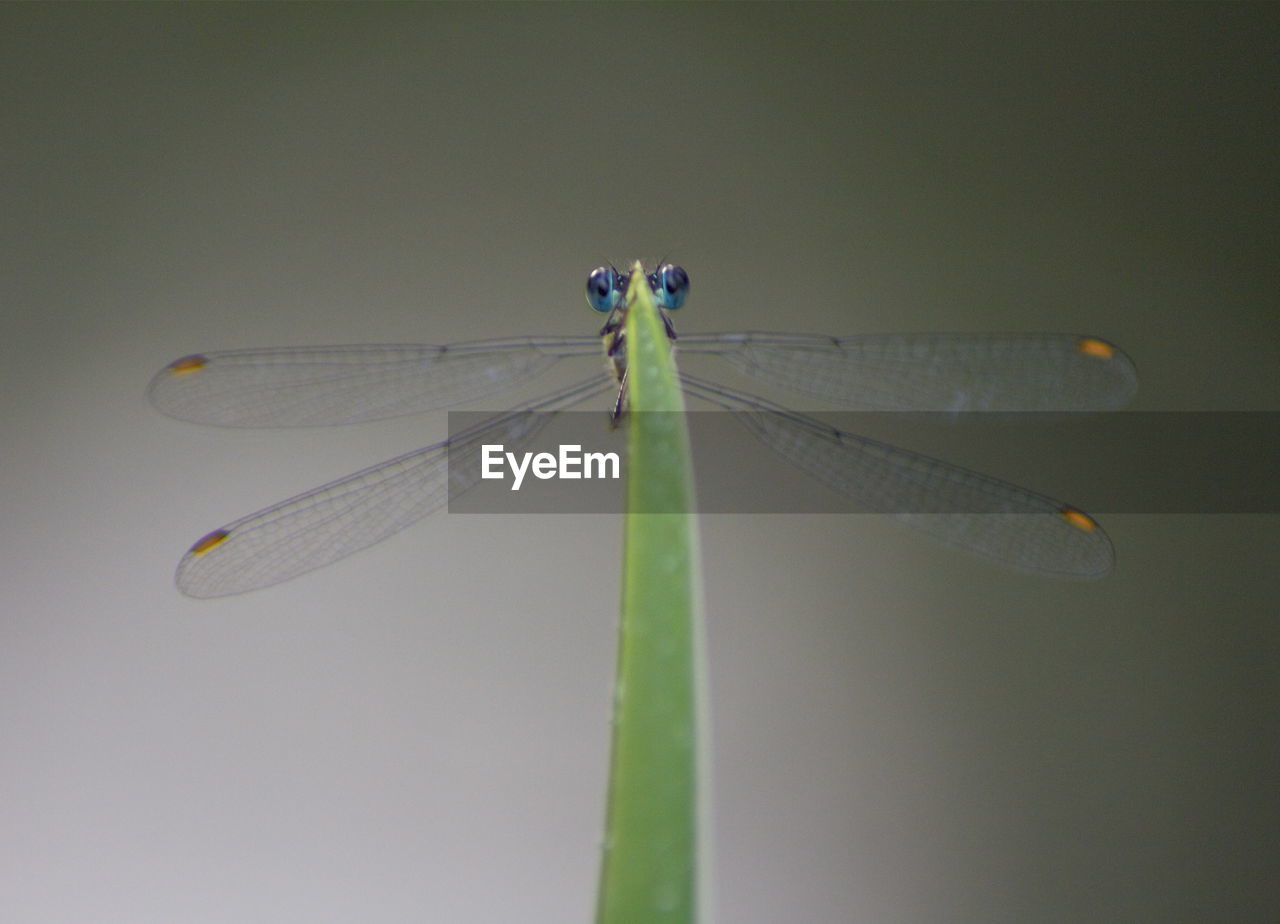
[420, 732]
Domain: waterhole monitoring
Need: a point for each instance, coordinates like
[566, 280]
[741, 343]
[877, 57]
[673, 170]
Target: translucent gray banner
[883, 462]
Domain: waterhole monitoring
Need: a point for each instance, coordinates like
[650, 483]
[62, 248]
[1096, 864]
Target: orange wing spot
[1078, 518]
[1099, 349]
[206, 543]
[188, 364]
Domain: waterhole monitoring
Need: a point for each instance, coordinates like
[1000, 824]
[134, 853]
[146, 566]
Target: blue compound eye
[670, 286]
[602, 289]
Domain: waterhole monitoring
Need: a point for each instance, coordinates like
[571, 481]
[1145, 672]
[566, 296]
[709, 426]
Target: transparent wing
[332, 521]
[314, 386]
[934, 372]
[983, 515]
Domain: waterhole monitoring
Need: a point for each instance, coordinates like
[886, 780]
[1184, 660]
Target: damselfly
[312, 386]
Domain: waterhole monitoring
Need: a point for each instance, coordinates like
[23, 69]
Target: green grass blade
[653, 842]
